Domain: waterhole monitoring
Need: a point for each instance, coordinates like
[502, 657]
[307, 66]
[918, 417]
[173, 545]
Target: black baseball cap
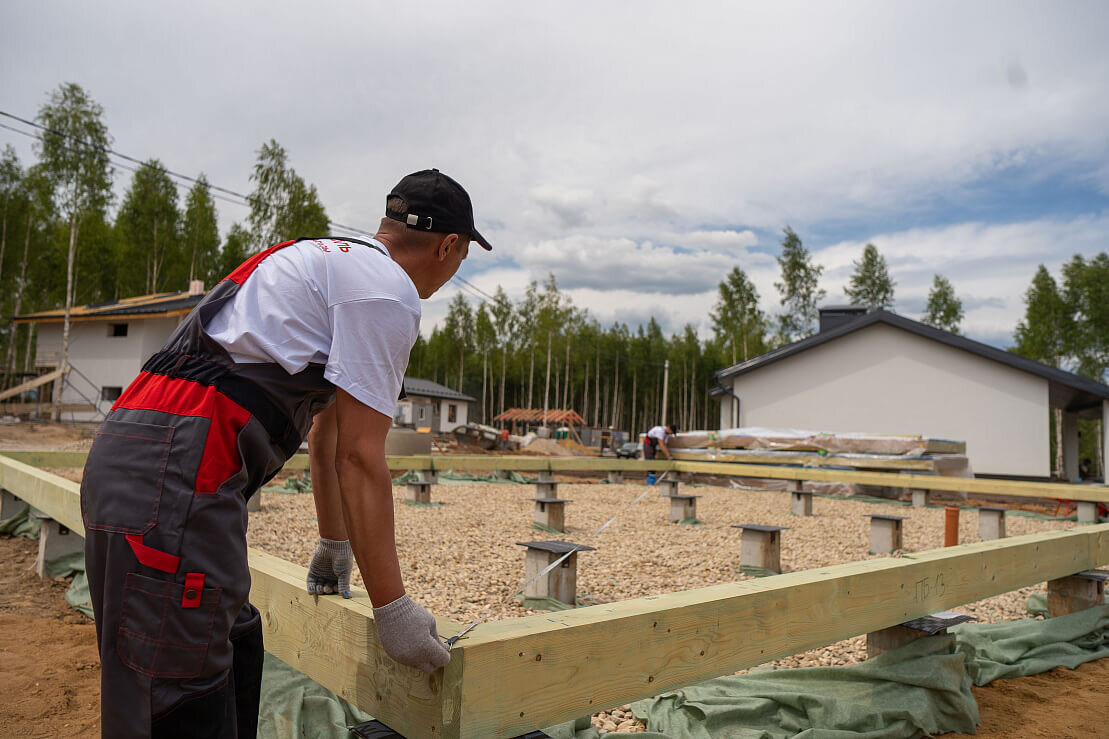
[435, 202]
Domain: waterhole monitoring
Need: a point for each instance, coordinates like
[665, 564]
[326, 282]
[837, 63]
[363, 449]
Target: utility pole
[665, 387]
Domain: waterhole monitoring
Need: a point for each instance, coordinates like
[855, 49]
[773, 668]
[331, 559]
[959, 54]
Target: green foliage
[149, 221]
[736, 317]
[283, 206]
[1086, 296]
[1041, 334]
[200, 234]
[945, 310]
[74, 151]
[871, 284]
[235, 249]
[799, 289]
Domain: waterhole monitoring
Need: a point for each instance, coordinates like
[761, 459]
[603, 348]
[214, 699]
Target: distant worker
[308, 333]
[656, 439]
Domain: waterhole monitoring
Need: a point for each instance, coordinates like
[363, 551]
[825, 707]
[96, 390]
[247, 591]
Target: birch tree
[73, 152]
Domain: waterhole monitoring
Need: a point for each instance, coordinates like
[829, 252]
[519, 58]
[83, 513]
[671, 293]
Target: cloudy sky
[636, 150]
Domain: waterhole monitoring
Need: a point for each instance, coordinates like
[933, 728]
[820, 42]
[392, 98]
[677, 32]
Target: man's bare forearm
[325, 480]
[367, 503]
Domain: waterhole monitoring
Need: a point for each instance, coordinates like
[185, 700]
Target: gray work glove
[330, 569]
[408, 634]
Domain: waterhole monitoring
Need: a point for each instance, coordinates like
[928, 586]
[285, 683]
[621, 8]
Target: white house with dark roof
[881, 373]
[108, 345]
[431, 405]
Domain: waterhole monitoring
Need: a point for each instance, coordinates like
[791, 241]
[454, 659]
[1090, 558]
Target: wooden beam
[55, 496]
[804, 459]
[333, 641]
[31, 384]
[978, 485]
[556, 666]
[509, 677]
[46, 408]
[489, 463]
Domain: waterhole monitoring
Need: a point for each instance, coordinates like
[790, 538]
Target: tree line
[64, 241]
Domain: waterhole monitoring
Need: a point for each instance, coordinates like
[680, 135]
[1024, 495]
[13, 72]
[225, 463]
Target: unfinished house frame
[508, 677]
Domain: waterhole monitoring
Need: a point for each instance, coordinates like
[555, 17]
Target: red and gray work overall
[164, 503]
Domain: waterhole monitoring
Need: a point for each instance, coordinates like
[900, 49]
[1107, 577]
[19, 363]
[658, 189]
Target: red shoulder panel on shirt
[245, 269]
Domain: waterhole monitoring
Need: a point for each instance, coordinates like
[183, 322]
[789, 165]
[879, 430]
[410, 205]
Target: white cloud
[640, 153]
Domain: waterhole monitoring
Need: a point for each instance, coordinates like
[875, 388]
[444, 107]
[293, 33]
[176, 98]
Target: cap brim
[481, 240]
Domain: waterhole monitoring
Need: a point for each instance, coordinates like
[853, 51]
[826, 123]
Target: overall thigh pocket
[160, 637]
[122, 485]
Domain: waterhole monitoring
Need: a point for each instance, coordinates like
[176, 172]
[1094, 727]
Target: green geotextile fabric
[450, 477]
[21, 524]
[292, 486]
[1029, 647]
[77, 595]
[918, 689]
[294, 705]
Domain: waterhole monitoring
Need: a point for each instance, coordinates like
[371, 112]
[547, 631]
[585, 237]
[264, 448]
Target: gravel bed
[461, 561]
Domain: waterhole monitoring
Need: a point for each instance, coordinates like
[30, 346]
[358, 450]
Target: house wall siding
[883, 380]
[107, 361]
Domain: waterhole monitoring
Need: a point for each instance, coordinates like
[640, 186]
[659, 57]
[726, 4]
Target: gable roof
[429, 389]
[141, 306]
[1082, 387]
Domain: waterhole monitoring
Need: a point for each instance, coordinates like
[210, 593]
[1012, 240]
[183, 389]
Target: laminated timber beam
[979, 485]
[490, 463]
[508, 677]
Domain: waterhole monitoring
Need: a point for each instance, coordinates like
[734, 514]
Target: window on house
[117, 329]
[110, 393]
[452, 413]
[422, 414]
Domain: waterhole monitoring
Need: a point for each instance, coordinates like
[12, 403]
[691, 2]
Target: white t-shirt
[341, 304]
[658, 432]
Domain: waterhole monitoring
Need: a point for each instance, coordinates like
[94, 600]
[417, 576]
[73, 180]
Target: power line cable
[249, 199]
[222, 194]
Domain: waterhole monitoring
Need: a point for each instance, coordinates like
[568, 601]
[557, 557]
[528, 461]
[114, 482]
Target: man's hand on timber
[409, 636]
[330, 569]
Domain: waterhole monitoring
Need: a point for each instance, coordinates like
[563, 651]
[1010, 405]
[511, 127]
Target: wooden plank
[804, 459]
[489, 463]
[72, 459]
[30, 384]
[542, 669]
[512, 676]
[330, 639]
[46, 408]
[55, 496]
[333, 641]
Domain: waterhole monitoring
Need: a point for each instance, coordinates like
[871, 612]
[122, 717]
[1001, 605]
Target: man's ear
[449, 241]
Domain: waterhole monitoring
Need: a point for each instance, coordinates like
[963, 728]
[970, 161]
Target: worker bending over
[656, 439]
[313, 332]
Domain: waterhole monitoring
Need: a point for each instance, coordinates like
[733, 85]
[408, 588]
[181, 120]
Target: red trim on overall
[194, 588]
[162, 561]
[244, 270]
[187, 398]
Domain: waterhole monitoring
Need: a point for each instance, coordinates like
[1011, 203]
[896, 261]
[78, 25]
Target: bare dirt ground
[42, 436]
[49, 667]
